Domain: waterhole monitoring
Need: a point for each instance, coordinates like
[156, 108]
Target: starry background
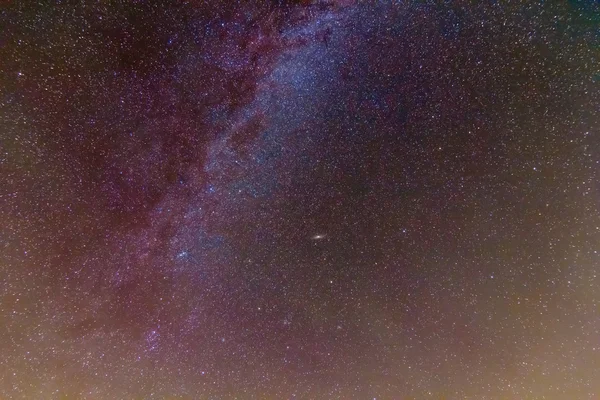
[299, 200]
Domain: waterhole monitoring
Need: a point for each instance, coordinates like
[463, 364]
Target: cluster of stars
[300, 200]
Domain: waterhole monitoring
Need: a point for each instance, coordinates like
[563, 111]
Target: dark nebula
[300, 200]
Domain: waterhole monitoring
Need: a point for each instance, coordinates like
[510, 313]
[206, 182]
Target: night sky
[300, 200]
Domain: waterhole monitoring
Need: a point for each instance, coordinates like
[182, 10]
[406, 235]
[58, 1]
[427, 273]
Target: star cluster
[300, 200]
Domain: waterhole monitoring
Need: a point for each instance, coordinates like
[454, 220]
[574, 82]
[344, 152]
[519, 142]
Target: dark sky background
[299, 200]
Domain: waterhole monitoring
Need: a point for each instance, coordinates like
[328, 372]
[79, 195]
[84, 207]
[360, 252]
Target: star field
[300, 200]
